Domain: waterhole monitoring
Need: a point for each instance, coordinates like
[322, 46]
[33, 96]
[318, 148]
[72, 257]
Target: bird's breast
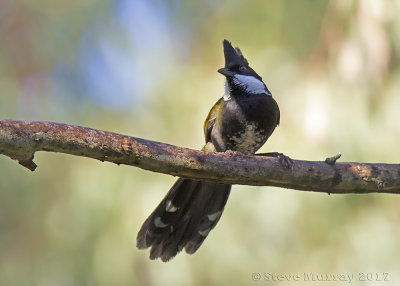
[245, 125]
[248, 140]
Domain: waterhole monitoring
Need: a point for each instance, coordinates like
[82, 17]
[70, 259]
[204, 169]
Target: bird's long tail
[183, 218]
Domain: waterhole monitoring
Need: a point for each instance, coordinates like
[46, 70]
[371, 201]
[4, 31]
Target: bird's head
[240, 76]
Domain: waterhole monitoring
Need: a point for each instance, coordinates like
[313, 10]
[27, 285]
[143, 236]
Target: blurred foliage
[148, 68]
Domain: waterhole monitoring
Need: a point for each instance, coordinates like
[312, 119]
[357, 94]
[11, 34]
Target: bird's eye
[242, 68]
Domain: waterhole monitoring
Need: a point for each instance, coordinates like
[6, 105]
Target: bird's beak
[225, 72]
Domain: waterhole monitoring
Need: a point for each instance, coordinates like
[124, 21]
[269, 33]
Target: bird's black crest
[233, 56]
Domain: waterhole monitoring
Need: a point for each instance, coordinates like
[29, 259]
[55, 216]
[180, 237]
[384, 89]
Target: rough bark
[20, 140]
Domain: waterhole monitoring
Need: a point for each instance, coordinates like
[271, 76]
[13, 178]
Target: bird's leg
[284, 160]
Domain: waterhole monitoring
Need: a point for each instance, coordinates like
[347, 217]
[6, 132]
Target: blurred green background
[147, 68]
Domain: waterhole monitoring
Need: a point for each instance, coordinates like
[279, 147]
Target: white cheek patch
[250, 84]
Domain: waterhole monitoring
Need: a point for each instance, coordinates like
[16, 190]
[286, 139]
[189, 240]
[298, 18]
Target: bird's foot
[233, 153]
[284, 160]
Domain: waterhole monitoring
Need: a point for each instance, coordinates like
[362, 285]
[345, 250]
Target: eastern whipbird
[240, 122]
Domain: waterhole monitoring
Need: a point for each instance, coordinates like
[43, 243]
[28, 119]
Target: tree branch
[20, 140]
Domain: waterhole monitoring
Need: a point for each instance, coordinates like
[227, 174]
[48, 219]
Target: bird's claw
[233, 153]
[284, 160]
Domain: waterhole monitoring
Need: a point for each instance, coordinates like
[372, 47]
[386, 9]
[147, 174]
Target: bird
[241, 121]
